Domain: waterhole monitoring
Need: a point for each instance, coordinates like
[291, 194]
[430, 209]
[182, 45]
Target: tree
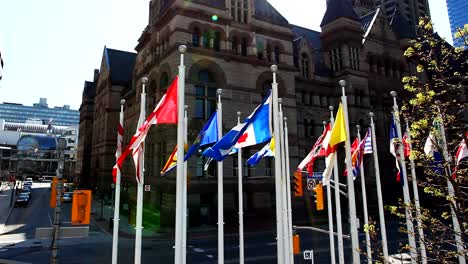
[435, 96]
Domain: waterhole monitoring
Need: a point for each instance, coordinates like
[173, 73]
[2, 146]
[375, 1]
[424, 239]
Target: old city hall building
[233, 51]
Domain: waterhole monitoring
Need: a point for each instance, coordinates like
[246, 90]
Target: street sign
[147, 188]
[310, 184]
[309, 254]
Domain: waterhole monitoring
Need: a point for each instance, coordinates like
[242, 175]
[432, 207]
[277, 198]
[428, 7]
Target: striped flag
[368, 142]
[118, 152]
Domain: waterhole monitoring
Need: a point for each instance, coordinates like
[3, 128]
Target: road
[18, 243]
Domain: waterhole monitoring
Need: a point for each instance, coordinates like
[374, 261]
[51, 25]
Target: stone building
[231, 45]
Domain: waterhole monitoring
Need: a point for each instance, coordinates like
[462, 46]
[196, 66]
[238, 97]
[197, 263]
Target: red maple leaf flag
[164, 113]
[317, 150]
[118, 152]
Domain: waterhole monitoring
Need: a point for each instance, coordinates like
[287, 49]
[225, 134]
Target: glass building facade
[60, 116]
[458, 15]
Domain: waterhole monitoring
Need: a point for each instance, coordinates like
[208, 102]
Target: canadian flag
[317, 150]
[118, 152]
[165, 112]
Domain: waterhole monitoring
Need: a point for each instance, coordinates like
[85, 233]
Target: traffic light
[319, 196]
[53, 193]
[81, 207]
[296, 244]
[298, 192]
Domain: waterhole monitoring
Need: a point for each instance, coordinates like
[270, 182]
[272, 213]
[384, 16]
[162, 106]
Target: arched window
[206, 40]
[234, 45]
[277, 54]
[217, 41]
[305, 65]
[196, 37]
[244, 47]
[266, 88]
[205, 93]
[164, 81]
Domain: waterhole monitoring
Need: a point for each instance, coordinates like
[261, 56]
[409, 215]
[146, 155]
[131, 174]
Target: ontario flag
[317, 151]
[165, 112]
[118, 152]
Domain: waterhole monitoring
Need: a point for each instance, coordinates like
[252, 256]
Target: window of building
[354, 58]
[277, 54]
[205, 93]
[217, 41]
[268, 53]
[240, 10]
[244, 47]
[164, 81]
[234, 45]
[336, 59]
[305, 65]
[206, 39]
[196, 37]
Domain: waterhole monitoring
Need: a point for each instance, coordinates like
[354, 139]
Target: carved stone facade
[231, 45]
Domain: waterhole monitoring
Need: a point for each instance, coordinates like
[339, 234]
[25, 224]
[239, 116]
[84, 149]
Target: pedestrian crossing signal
[298, 192]
[319, 197]
[81, 207]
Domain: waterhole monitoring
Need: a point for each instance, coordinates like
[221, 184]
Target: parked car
[22, 200]
[67, 197]
[27, 184]
[29, 179]
[26, 193]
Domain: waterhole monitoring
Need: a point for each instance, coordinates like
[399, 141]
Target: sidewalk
[5, 209]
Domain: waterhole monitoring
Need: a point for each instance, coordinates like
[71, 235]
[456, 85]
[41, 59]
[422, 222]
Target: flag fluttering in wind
[337, 135]
[255, 129]
[462, 152]
[164, 113]
[406, 146]
[358, 149]
[394, 144]
[430, 149]
[118, 152]
[208, 135]
[317, 151]
[267, 151]
[368, 142]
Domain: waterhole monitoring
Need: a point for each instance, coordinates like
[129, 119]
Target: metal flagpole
[179, 228]
[115, 237]
[330, 216]
[184, 201]
[383, 230]
[404, 178]
[278, 187]
[283, 184]
[364, 201]
[351, 198]
[241, 198]
[220, 185]
[336, 178]
[139, 212]
[288, 190]
[451, 191]
[416, 198]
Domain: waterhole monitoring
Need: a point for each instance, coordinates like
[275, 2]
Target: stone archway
[266, 78]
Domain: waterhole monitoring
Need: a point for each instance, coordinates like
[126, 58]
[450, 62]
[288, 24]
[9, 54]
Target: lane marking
[209, 256]
[199, 250]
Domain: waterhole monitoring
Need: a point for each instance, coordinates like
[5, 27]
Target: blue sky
[50, 47]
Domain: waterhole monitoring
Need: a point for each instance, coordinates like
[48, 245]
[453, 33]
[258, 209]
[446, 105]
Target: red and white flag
[164, 113]
[315, 152]
[462, 152]
[118, 152]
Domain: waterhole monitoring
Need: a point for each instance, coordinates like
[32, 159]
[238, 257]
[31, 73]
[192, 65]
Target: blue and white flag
[267, 151]
[368, 142]
[208, 135]
[255, 128]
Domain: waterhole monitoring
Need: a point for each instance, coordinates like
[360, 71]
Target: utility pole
[61, 144]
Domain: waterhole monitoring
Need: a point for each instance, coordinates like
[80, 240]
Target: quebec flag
[254, 130]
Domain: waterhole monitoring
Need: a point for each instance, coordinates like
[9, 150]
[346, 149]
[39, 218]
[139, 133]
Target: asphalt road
[18, 242]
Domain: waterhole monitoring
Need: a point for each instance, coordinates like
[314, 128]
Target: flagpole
[220, 185]
[179, 228]
[184, 201]
[141, 155]
[115, 237]
[351, 196]
[284, 168]
[330, 217]
[288, 190]
[241, 198]
[364, 200]
[451, 191]
[336, 178]
[416, 198]
[383, 230]
[404, 178]
[278, 187]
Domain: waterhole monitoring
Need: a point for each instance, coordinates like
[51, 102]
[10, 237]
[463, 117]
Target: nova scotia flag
[254, 130]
